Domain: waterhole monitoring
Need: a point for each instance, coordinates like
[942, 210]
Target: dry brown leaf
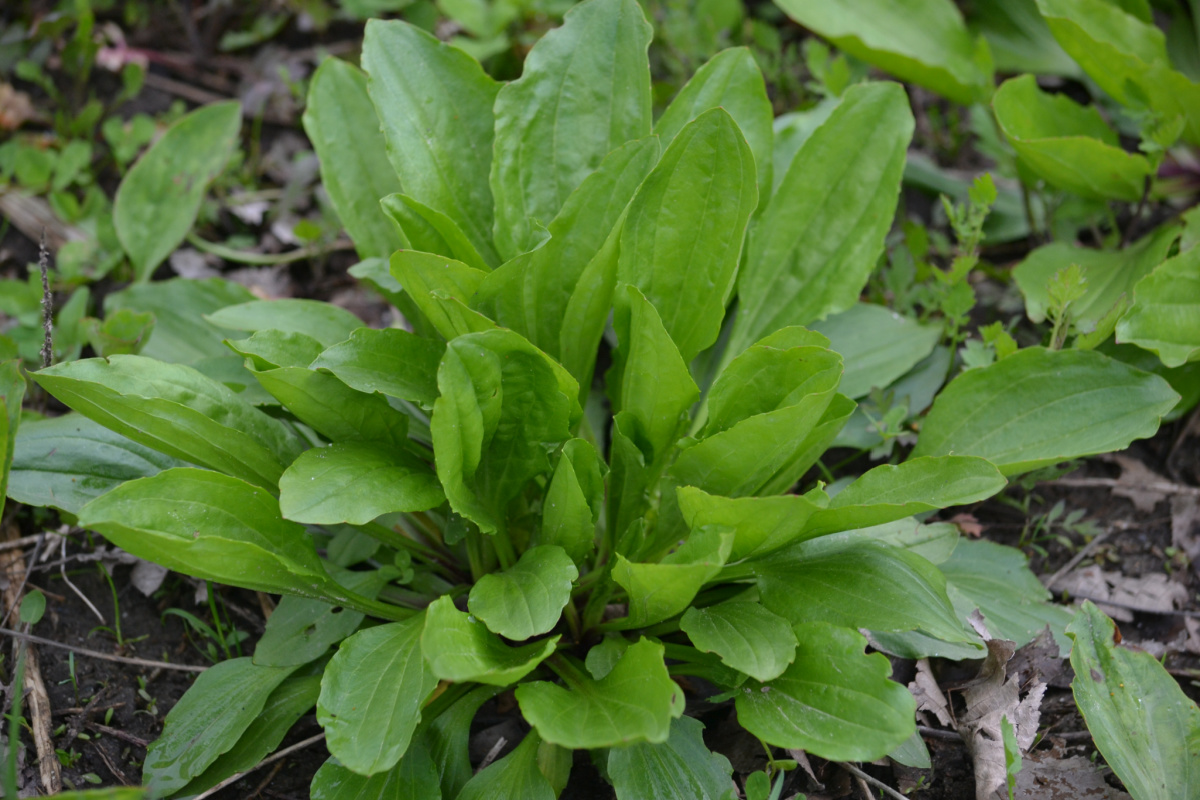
[1040, 660]
[1049, 776]
[992, 696]
[15, 108]
[1185, 525]
[968, 524]
[1134, 483]
[929, 695]
[1153, 593]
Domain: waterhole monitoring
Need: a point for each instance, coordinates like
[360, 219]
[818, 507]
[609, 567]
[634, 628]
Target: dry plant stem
[62, 567]
[83, 651]
[1074, 562]
[862, 776]
[17, 544]
[1165, 487]
[47, 303]
[271, 759]
[1138, 609]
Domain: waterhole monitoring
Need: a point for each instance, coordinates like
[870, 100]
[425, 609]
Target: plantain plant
[574, 477]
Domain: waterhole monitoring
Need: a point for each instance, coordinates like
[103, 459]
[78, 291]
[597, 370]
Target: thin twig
[858, 773]
[492, 754]
[24, 579]
[1131, 607]
[271, 759]
[62, 567]
[47, 303]
[1162, 487]
[1080, 556]
[17, 544]
[116, 733]
[267, 259]
[938, 733]
[83, 651]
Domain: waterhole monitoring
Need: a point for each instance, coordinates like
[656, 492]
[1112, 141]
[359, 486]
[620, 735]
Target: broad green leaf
[390, 361]
[458, 647]
[1143, 724]
[356, 482]
[231, 371]
[584, 91]
[934, 542]
[271, 348]
[442, 289]
[1165, 315]
[377, 275]
[531, 293]
[63, 462]
[834, 701]
[1185, 380]
[515, 776]
[325, 322]
[181, 332]
[1038, 407]
[219, 528]
[1126, 55]
[341, 124]
[372, 693]
[301, 630]
[819, 237]
[12, 391]
[178, 411]
[1109, 274]
[634, 702]
[682, 237]
[997, 580]
[502, 408]
[414, 776]
[333, 409]
[573, 502]
[877, 345]
[681, 768]
[912, 753]
[159, 198]
[760, 524]
[1068, 145]
[925, 42]
[435, 105]
[730, 80]
[1019, 38]
[746, 636]
[629, 478]
[864, 584]
[888, 493]
[430, 231]
[290, 700]
[649, 380]
[658, 591]
[526, 599]
[447, 738]
[586, 316]
[207, 721]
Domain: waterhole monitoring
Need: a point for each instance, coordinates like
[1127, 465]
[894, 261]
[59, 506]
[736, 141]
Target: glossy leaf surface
[877, 345]
[680, 767]
[325, 322]
[1165, 315]
[527, 598]
[458, 647]
[746, 636]
[390, 361]
[517, 775]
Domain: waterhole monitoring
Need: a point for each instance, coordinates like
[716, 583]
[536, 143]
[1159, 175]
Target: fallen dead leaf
[1040, 660]
[1135, 483]
[1153, 593]
[1049, 776]
[929, 695]
[15, 108]
[968, 524]
[1185, 526]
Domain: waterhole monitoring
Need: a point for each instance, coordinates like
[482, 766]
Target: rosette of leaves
[480, 505]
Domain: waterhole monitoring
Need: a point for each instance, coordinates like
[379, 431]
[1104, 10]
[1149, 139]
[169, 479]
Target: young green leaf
[573, 503]
[877, 345]
[1143, 724]
[680, 767]
[662, 590]
[746, 636]
[888, 493]
[634, 702]
[922, 41]
[207, 721]
[1165, 315]
[682, 238]
[834, 701]
[178, 411]
[414, 776]
[219, 528]
[820, 235]
[63, 462]
[435, 105]
[447, 739]
[760, 524]
[390, 361]
[181, 335]
[1038, 407]
[159, 198]
[372, 693]
[515, 776]
[1068, 145]
[430, 231]
[584, 91]
[442, 289]
[341, 124]
[458, 647]
[356, 482]
[1020, 40]
[325, 322]
[865, 584]
[272, 348]
[526, 599]
[290, 700]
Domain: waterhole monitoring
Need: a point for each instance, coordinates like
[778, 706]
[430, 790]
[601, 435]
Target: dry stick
[62, 568]
[83, 651]
[1080, 556]
[47, 303]
[287, 751]
[858, 773]
[17, 544]
[1139, 609]
[1163, 487]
